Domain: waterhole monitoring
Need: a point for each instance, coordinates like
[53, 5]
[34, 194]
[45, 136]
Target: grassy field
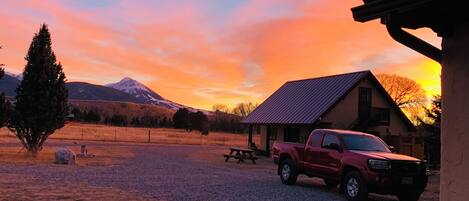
[93, 132]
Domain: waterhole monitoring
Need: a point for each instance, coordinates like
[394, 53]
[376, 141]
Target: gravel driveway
[182, 172]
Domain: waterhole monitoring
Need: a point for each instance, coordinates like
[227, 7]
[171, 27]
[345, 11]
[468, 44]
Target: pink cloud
[191, 56]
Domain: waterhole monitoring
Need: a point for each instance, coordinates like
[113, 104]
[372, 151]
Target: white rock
[63, 155]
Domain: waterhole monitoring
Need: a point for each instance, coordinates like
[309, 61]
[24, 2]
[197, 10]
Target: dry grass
[104, 155]
[93, 132]
[24, 187]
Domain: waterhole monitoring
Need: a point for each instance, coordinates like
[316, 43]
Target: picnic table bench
[241, 154]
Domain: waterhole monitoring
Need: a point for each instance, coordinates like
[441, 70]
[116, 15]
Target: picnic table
[241, 154]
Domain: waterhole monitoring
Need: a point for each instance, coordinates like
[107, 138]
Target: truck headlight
[376, 164]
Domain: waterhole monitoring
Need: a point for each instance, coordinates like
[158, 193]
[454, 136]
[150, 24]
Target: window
[364, 103]
[328, 140]
[291, 134]
[364, 143]
[381, 116]
[364, 96]
[316, 139]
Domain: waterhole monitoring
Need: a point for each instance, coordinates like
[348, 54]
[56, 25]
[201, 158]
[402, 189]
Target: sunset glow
[202, 52]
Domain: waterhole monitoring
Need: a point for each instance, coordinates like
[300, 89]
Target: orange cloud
[198, 57]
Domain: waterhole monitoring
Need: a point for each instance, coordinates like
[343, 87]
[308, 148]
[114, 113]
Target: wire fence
[93, 132]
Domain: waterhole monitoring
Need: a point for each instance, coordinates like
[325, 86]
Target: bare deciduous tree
[407, 93]
[221, 107]
[244, 109]
[404, 91]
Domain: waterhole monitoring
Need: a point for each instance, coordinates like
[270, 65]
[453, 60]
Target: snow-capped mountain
[143, 93]
[17, 76]
[137, 89]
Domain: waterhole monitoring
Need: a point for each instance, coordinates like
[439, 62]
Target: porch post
[267, 141]
[250, 136]
[455, 115]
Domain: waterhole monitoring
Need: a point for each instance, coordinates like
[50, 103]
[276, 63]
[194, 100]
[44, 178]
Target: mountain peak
[127, 79]
[136, 89]
[127, 85]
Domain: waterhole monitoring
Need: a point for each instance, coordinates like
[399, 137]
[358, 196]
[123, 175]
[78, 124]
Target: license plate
[407, 180]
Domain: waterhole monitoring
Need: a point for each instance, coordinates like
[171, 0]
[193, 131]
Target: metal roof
[304, 101]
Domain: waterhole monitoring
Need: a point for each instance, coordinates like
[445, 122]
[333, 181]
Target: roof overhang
[439, 15]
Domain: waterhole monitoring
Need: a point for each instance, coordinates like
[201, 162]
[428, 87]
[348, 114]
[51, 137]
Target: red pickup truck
[359, 162]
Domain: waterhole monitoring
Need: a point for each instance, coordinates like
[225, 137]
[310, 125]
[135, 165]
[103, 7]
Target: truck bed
[295, 150]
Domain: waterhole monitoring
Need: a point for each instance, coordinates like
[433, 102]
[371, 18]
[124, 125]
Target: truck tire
[354, 187]
[288, 173]
[331, 183]
[408, 196]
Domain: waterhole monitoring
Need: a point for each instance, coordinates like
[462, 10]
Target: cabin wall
[280, 135]
[345, 114]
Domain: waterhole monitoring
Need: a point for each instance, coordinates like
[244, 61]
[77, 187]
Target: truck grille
[406, 167]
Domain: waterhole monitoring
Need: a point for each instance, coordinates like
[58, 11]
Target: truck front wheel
[288, 174]
[353, 187]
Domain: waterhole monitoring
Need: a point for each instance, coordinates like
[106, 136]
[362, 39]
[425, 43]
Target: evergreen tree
[92, 116]
[433, 127]
[5, 106]
[135, 122]
[181, 118]
[199, 121]
[118, 120]
[41, 99]
[77, 114]
[164, 122]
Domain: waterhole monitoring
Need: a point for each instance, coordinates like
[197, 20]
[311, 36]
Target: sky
[203, 52]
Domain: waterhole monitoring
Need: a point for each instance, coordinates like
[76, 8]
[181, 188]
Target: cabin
[353, 101]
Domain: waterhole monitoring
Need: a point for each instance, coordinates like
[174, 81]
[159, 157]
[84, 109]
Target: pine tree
[5, 106]
[181, 118]
[41, 99]
[433, 128]
[199, 121]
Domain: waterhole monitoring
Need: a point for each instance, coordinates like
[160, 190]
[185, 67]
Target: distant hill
[8, 85]
[87, 91]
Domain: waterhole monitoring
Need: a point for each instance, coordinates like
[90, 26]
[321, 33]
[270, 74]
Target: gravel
[169, 172]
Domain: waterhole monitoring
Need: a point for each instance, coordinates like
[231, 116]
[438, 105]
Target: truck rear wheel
[354, 187]
[288, 174]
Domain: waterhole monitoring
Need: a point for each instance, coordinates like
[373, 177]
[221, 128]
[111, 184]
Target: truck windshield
[364, 143]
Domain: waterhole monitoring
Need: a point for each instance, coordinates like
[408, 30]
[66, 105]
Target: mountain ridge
[125, 90]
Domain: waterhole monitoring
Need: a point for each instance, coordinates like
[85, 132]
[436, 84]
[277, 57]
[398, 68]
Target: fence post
[149, 136]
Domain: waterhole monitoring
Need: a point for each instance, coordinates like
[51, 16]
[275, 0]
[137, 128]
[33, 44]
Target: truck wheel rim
[352, 187]
[286, 172]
